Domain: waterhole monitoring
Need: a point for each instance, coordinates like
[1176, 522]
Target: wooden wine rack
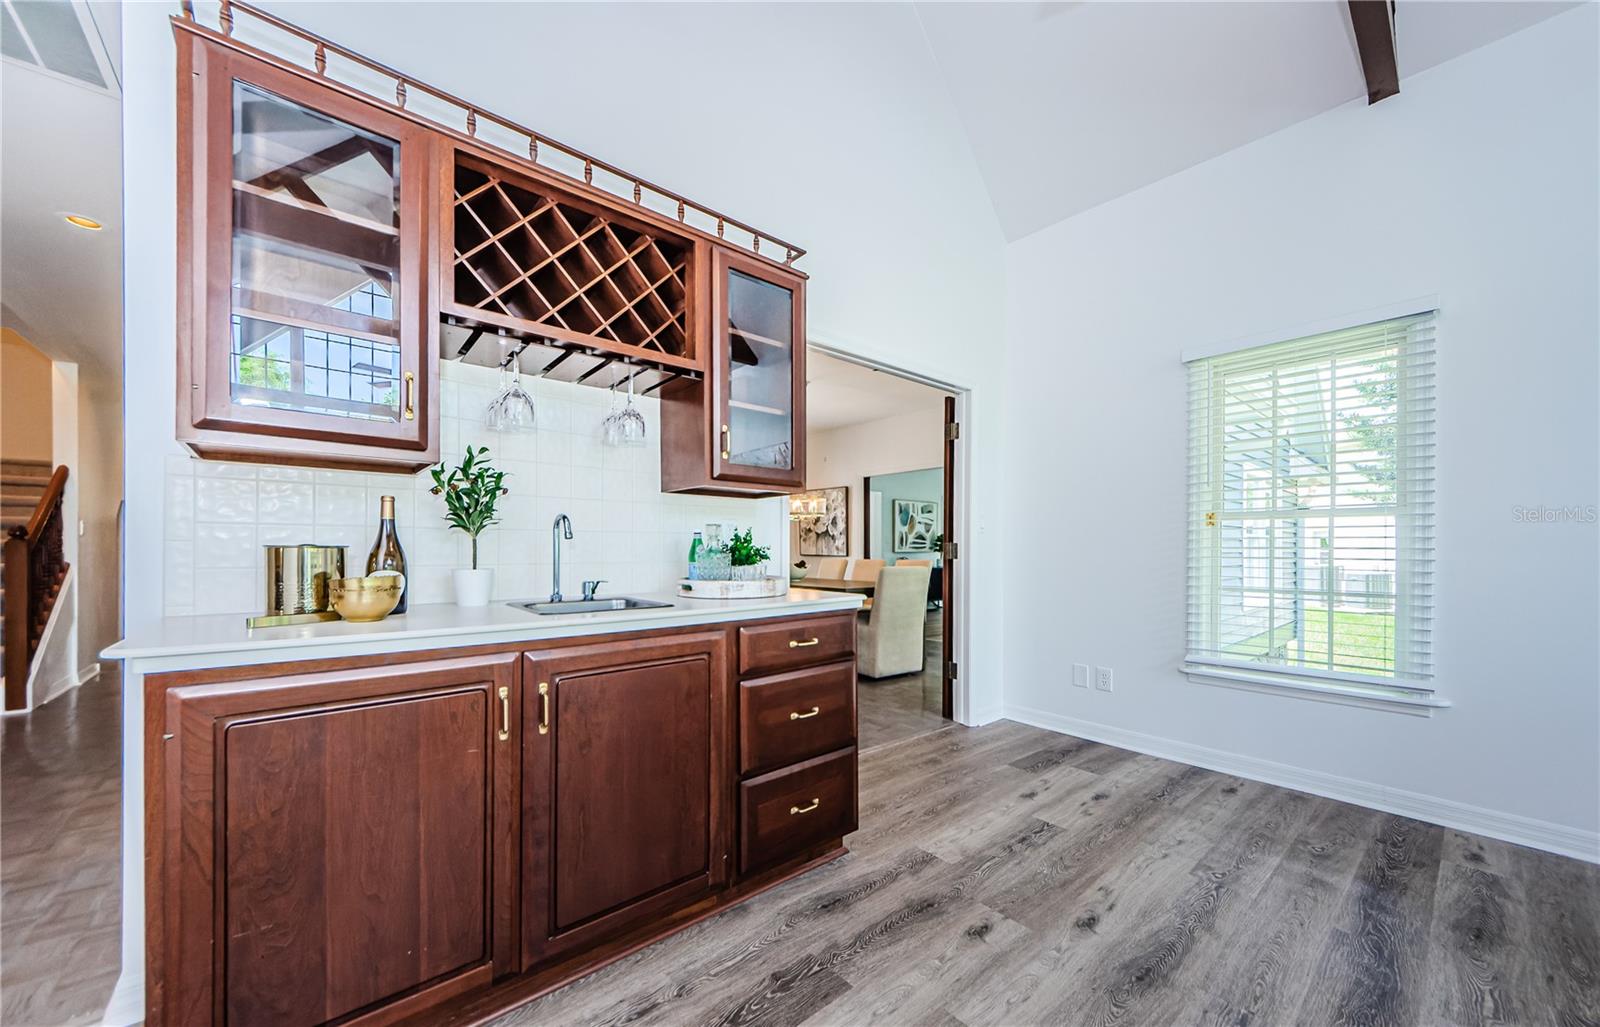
[545, 264]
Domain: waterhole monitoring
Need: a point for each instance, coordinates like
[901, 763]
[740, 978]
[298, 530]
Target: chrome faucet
[561, 526]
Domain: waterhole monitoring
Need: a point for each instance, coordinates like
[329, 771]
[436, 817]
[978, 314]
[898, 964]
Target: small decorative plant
[471, 489]
[743, 553]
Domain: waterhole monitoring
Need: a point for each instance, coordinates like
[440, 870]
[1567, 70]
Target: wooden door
[758, 372]
[947, 577]
[339, 845]
[304, 299]
[625, 797]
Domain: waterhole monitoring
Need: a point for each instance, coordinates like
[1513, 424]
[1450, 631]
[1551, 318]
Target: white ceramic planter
[473, 587]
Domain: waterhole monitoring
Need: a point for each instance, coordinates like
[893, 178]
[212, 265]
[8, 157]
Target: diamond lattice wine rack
[586, 285]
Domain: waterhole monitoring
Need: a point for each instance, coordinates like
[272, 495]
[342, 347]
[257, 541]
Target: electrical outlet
[1102, 678]
[1080, 675]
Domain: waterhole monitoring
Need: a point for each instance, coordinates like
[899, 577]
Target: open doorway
[878, 518]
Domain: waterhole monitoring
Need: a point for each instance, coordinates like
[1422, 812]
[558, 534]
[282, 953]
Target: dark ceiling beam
[1373, 21]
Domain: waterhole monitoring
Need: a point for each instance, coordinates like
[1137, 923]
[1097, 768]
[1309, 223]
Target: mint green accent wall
[927, 485]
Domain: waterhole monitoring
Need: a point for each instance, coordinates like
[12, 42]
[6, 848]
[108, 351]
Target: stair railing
[35, 567]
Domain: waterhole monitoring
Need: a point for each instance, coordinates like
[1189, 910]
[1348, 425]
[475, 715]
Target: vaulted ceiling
[1062, 106]
[1068, 105]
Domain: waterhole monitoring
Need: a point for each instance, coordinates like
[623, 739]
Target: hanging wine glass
[630, 423]
[493, 414]
[516, 406]
[609, 427]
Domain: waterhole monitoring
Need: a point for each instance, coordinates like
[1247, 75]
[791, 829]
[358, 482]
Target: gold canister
[297, 584]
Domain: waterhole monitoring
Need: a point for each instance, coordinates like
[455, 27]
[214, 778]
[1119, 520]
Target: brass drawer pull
[411, 396]
[727, 443]
[801, 645]
[505, 712]
[544, 707]
[805, 809]
[802, 716]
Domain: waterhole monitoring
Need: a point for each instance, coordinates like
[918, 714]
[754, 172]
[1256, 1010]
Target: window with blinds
[1311, 510]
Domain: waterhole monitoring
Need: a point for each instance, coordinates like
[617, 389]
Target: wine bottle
[386, 553]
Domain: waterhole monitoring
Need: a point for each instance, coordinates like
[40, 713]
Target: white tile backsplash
[219, 514]
[284, 502]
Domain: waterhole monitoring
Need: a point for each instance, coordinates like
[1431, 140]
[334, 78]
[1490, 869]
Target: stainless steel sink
[591, 605]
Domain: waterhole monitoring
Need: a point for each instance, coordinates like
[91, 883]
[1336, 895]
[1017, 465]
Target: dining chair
[890, 640]
[831, 567]
[864, 570]
[913, 563]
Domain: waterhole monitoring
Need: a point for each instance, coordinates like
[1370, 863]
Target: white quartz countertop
[225, 638]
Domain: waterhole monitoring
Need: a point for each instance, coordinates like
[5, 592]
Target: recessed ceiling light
[82, 222]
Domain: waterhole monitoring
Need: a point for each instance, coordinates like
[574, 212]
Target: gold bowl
[366, 599]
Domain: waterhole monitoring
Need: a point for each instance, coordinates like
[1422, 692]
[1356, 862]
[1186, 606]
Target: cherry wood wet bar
[445, 815]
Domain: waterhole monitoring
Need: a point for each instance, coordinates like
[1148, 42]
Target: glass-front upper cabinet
[302, 251]
[759, 378]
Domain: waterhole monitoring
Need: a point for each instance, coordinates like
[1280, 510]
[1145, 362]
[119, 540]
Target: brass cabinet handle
[727, 443]
[544, 707]
[802, 716]
[411, 395]
[801, 645]
[805, 809]
[505, 713]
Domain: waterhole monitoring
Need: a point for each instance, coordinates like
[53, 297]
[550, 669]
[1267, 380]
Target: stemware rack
[474, 344]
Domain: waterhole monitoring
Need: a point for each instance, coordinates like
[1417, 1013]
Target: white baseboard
[67, 682]
[127, 1000]
[1510, 827]
[987, 715]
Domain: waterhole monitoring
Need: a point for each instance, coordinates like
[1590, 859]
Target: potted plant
[470, 490]
[748, 559]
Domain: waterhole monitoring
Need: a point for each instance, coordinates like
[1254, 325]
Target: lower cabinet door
[622, 821]
[342, 844]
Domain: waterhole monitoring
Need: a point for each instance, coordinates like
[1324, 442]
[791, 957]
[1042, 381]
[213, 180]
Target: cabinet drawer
[794, 716]
[784, 813]
[796, 642]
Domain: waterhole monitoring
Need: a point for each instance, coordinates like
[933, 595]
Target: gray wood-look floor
[60, 857]
[1002, 875]
[1009, 875]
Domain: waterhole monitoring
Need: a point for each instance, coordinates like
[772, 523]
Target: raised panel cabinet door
[353, 833]
[304, 259]
[623, 814]
[758, 387]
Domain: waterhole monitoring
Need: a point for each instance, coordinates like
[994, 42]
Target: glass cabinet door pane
[316, 255]
[761, 372]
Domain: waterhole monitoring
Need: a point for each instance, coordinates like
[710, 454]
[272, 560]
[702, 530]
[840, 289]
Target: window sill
[1355, 693]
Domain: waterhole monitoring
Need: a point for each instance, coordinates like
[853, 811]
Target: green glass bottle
[694, 554]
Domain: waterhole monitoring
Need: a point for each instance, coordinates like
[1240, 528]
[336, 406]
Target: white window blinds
[1311, 509]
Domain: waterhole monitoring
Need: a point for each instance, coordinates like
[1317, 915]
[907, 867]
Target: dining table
[860, 586]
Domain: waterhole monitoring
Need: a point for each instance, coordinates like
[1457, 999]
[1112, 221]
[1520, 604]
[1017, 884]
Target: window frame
[1411, 686]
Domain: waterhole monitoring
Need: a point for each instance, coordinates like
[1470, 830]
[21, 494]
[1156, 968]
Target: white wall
[865, 165]
[846, 455]
[99, 476]
[1477, 185]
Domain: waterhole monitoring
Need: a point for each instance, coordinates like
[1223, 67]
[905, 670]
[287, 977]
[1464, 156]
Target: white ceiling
[61, 153]
[1068, 105]
[1064, 105]
[839, 393]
